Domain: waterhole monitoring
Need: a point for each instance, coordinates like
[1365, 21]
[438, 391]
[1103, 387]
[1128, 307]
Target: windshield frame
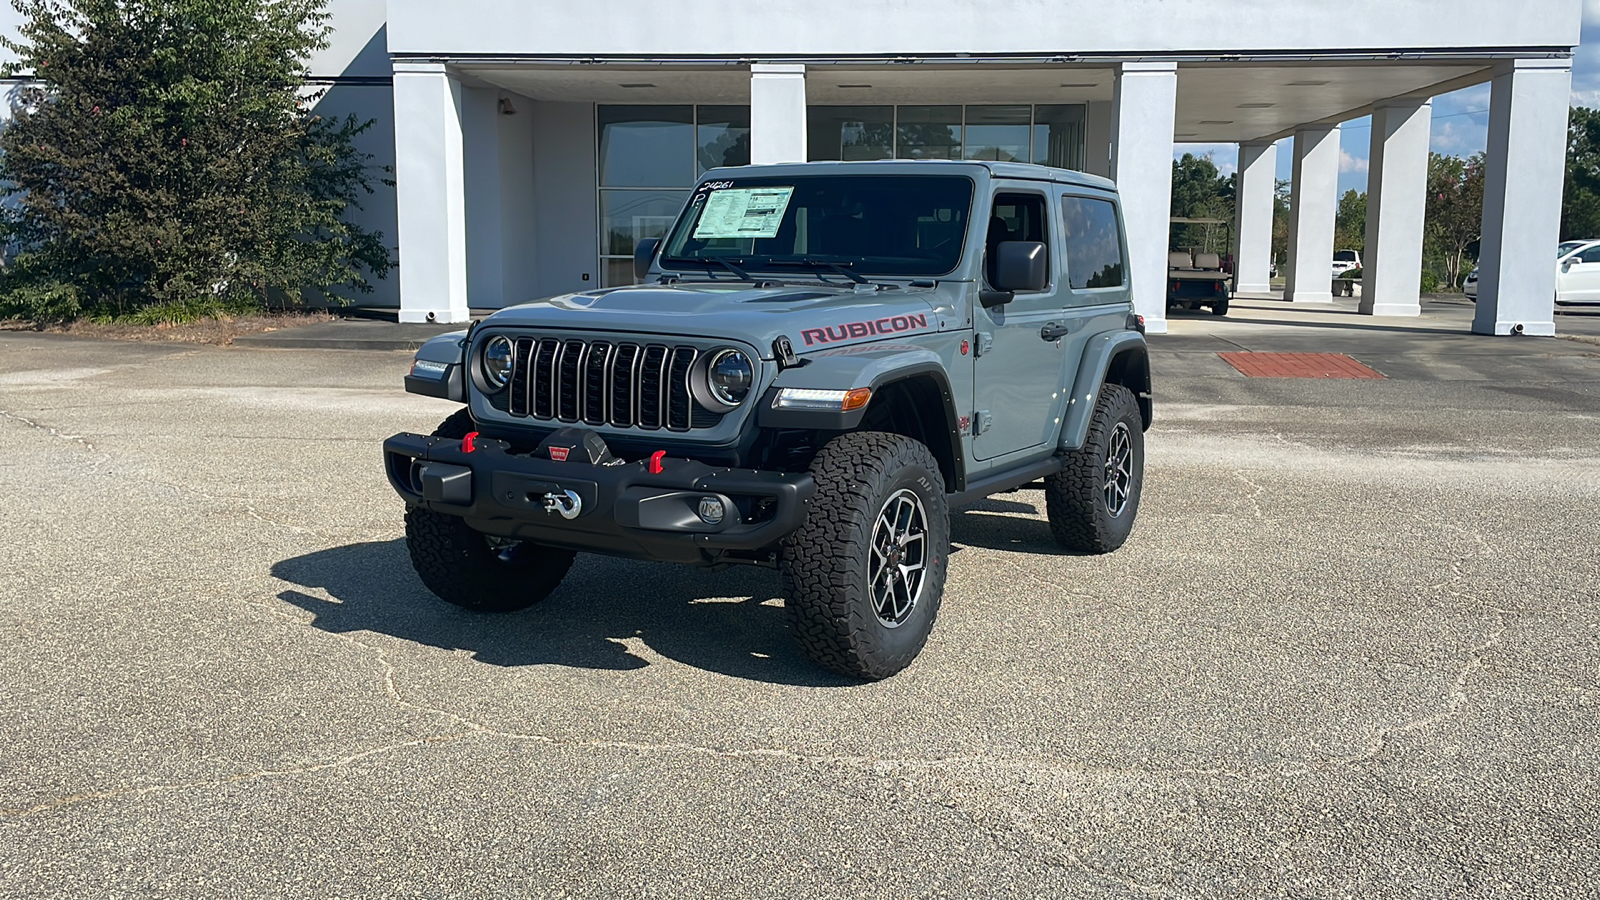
[811, 263]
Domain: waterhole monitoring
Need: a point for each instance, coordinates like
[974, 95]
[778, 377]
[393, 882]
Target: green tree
[1580, 206]
[168, 162]
[1282, 191]
[1454, 213]
[1350, 223]
[1199, 191]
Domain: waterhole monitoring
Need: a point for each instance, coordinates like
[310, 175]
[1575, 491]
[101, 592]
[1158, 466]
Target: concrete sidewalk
[1435, 346]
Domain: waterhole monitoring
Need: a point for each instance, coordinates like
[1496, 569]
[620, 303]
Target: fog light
[712, 510]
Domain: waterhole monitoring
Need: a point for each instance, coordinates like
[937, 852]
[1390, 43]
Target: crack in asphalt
[1255, 496]
[467, 727]
[52, 431]
[1456, 698]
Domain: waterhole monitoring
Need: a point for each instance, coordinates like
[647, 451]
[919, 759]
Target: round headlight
[497, 362]
[730, 375]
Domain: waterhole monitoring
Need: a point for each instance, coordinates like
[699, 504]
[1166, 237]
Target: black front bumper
[623, 510]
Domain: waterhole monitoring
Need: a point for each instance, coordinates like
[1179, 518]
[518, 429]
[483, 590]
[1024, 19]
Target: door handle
[1055, 331]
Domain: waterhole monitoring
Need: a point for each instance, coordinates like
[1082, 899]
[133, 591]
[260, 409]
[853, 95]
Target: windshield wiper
[817, 264]
[708, 260]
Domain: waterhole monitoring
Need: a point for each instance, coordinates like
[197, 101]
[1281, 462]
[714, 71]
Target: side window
[1591, 255]
[1094, 244]
[1015, 217]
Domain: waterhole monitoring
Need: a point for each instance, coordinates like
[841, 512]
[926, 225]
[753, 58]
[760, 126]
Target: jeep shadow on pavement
[820, 362]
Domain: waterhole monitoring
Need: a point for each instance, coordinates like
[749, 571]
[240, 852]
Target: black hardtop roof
[1022, 171]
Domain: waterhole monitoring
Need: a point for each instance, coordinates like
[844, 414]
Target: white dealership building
[533, 143]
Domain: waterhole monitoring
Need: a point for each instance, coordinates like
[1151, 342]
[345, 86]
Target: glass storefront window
[722, 137]
[998, 132]
[628, 217]
[615, 272]
[649, 156]
[928, 132]
[646, 146]
[1058, 135]
[835, 133]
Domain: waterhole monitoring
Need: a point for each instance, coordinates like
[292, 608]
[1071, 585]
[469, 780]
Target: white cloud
[1586, 59]
[1350, 163]
[1224, 156]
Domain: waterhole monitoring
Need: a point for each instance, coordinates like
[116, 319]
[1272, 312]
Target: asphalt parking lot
[1352, 649]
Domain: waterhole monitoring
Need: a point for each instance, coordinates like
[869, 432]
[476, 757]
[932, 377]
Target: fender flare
[875, 371]
[1099, 355]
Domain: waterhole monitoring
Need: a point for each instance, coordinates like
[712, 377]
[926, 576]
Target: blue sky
[1460, 119]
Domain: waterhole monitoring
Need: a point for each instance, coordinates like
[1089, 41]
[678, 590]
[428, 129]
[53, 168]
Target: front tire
[1094, 499]
[864, 576]
[472, 570]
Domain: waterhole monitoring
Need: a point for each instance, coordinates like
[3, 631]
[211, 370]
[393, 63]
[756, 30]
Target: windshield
[1344, 256]
[1567, 247]
[896, 225]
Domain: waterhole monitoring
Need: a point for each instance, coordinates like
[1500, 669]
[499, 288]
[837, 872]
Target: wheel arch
[1117, 358]
[911, 396]
[918, 404]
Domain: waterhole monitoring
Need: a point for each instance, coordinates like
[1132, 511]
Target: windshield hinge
[783, 352]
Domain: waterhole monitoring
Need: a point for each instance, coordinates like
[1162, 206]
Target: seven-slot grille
[617, 384]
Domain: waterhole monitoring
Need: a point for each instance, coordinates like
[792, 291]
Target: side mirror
[1566, 265]
[644, 253]
[1018, 266]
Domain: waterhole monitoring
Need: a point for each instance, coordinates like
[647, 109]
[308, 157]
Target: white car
[1344, 261]
[1577, 274]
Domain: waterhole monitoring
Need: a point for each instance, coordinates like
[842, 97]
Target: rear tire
[470, 569]
[864, 576]
[1094, 499]
[1219, 309]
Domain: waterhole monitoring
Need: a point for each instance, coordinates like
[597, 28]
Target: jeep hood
[813, 316]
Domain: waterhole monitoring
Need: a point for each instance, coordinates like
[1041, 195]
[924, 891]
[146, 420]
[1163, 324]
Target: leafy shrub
[166, 156]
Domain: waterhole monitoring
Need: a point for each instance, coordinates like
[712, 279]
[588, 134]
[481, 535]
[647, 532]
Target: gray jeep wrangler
[821, 361]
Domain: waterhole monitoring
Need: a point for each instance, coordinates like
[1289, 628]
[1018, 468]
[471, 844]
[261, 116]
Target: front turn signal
[822, 401]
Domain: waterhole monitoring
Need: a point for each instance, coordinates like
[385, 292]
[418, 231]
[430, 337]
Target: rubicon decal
[851, 330]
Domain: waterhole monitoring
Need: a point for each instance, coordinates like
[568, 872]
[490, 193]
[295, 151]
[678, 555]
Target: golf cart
[1197, 275]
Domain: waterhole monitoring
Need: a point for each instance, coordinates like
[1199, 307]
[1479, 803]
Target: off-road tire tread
[458, 425]
[1072, 496]
[457, 565]
[822, 560]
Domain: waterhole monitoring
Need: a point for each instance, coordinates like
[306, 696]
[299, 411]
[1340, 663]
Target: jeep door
[1017, 373]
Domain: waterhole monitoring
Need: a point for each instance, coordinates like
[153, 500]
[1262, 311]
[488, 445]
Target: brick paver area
[1298, 365]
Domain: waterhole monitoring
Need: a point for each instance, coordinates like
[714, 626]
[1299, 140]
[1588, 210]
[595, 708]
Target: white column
[777, 113]
[1312, 209]
[430, 194]
[1397, 187]
[1144, 108]
[1522, 197]
[1258, 181]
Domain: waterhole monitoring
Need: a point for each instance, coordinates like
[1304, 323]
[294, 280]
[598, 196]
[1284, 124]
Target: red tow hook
[655, 461]
[466, 442]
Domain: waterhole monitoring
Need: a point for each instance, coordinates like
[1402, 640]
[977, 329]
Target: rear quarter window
[1094, 243]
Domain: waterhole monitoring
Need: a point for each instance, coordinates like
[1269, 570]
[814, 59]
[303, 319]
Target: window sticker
[744, 213]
